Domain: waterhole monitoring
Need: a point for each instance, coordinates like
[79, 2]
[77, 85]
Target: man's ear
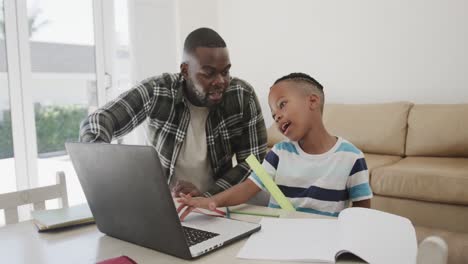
[184, 69]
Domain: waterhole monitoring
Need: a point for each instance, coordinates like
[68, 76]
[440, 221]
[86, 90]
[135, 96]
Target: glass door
[7, 157]
[62, 82]
[57, 62]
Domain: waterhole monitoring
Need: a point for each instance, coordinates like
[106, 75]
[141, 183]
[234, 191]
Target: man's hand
[189, 203]
[185, 187]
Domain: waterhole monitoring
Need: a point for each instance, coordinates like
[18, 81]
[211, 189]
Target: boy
[318, 173]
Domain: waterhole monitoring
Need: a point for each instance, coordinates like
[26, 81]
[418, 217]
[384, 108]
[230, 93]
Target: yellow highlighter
[269, 183]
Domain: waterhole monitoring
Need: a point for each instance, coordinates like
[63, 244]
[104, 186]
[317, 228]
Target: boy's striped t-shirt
[323, 183]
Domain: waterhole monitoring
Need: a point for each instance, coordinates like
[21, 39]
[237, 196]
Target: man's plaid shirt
[234, 126]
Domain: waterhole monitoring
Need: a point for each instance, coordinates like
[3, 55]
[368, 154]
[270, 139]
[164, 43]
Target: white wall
[153, 45]
[195, 14]
[362, 51]
[153, 37]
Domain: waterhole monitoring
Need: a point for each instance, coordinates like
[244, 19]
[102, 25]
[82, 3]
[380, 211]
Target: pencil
[254, 213]
[228, 213]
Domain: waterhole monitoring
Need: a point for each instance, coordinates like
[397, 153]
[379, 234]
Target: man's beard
[197, 97]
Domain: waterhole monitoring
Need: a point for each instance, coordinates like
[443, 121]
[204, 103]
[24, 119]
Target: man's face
[207, 74]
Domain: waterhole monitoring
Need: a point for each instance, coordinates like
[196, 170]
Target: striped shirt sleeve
[358, 180]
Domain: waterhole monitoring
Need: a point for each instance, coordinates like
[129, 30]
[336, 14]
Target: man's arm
[253, 141]
[119, 116]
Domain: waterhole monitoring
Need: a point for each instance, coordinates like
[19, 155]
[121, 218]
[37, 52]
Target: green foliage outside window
[55, 125]
[6, 140]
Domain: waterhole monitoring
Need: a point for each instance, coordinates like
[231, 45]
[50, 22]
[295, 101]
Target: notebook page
[378, 237]
[293, 240]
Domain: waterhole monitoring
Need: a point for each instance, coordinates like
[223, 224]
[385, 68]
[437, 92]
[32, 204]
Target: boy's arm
[358, 185]
[235, 195]
[363, 203]
[238, 194]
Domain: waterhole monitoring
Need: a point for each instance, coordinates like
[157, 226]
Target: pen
[228, 213]
[254, 213]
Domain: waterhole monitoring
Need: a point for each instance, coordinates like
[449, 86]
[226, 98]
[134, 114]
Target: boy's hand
[189, 203]
[185, 187]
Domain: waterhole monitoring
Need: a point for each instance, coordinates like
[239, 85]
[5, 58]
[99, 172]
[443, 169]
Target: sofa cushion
[376, 160]
[443, 180]
[274, 136]
[438, 130]
[373, 128]
[450, 217]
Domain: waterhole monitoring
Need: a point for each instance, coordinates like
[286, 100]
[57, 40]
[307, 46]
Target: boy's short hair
[299, 76]
[304, 78]
[203, 37]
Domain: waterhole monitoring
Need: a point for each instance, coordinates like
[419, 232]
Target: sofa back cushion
[373, 128]
[274, 135]
[438, 130]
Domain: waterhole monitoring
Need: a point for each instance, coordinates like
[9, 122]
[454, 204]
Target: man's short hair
[203, 37]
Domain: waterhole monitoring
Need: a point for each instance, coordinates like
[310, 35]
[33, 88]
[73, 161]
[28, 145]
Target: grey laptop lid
[129, 197]
[119, 195]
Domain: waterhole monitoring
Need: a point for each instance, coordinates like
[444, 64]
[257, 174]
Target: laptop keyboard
[195, 236]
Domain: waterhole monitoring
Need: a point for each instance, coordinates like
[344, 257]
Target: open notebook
[64, 217]
[371, 235]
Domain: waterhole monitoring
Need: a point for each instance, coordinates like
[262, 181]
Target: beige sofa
[417, 156]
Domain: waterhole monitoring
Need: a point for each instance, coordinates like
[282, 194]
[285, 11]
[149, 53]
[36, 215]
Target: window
[120, 52]
[7, 160]
[63, 82]
[58, 76]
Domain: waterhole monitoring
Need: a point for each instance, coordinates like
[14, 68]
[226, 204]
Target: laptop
[130, 199]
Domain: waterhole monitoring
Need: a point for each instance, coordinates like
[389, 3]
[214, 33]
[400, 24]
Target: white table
[21, 243]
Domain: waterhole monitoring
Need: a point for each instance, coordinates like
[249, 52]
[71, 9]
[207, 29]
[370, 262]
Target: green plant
[6, 139]
[55, 125]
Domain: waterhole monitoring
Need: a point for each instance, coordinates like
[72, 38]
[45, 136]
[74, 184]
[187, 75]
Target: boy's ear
[314, 102]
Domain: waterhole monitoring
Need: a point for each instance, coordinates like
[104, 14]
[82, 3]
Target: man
[196, 119]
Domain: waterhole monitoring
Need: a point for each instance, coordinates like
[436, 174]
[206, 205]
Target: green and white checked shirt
[234, 126]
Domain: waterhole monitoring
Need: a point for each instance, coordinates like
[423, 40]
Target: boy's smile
[284, 127]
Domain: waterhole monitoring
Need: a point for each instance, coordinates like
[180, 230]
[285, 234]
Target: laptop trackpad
[227, 229]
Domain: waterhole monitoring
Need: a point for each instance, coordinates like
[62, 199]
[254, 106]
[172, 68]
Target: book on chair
[371, 235]
[63, 217]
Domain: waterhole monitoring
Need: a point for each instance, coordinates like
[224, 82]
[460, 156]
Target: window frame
[20, 84]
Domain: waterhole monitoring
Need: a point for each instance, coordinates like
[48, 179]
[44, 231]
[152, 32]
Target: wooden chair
[9, 202]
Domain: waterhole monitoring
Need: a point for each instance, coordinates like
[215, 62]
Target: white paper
[378, 237]
[374, 236]
[293, 240]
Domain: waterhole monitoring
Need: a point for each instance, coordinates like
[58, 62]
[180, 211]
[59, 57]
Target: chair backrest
[9, 202]
[432, 250]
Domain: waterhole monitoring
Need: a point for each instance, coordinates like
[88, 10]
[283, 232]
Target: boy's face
[291, 108]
